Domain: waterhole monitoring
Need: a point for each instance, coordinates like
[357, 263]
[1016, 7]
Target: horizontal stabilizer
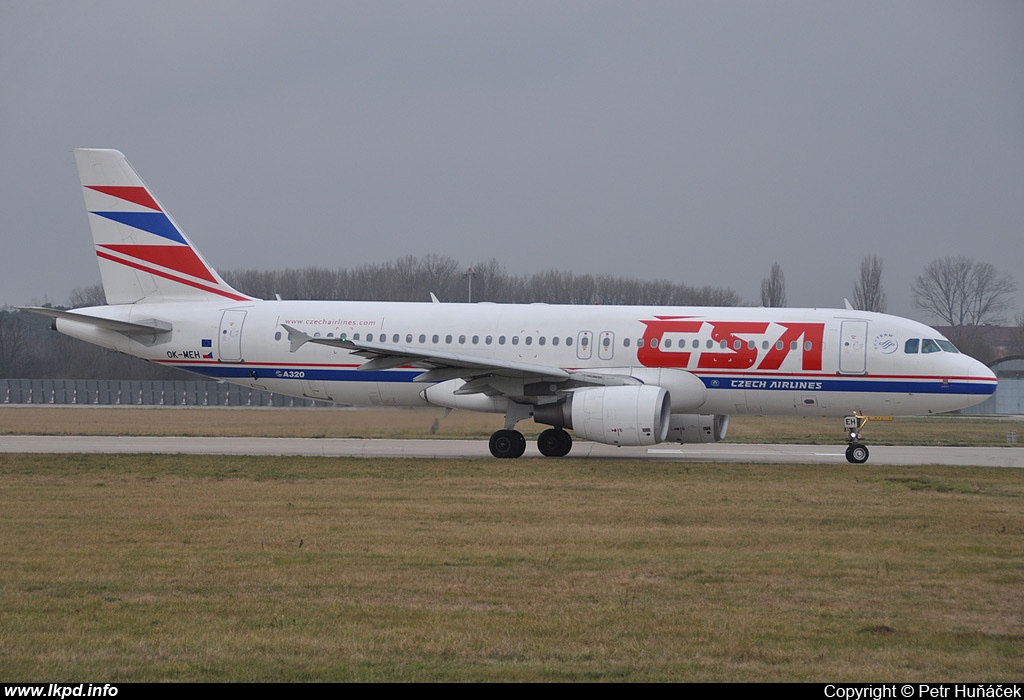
[150, 326]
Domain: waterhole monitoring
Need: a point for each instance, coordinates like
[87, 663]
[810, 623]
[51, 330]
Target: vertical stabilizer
[144, 255]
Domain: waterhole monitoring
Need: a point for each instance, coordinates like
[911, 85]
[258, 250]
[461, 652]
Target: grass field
[163, 567]
[210, 568]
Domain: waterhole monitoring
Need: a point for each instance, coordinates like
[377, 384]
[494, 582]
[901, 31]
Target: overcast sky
[691, 141]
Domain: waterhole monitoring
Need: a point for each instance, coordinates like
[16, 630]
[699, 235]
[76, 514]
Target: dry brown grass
[232, 568]
[246, 422]
[429, 422]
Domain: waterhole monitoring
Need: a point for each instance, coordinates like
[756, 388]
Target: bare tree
[963, 292]
[14, 350]
[773, 288]
[87, 296]
[868, 294]
[1017, 346]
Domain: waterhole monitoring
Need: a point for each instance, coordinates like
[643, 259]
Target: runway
[1012, 457]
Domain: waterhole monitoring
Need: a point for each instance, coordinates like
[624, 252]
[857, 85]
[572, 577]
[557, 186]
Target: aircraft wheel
[856, 454]
[554, 442]
[507, 444]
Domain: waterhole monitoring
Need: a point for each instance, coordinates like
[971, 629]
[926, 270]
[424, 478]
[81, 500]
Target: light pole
[469, 274]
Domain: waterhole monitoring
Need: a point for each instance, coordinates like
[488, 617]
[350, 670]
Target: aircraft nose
[981, 371]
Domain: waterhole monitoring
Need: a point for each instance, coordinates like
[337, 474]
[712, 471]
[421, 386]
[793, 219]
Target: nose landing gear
[856, 453]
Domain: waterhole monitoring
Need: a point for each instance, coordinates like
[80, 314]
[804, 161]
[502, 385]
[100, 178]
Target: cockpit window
[929, 345]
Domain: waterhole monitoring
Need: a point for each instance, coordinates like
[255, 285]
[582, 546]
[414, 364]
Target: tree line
[415, 279]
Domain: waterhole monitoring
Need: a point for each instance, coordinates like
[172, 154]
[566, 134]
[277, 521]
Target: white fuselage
[770, 361]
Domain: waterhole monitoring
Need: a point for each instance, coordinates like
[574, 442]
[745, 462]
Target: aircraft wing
[439, 365]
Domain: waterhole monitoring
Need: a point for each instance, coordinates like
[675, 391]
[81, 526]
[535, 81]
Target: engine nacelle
[615, 415]
[447, 394]
[691, 427]
[687, 392]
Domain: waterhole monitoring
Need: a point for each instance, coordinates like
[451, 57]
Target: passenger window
[929, 346]
[625, 342]
[369, 337]
[515, 340]
[911, 347]
[541, 340]
[423, 338]
[667, 343]
[488, 340]
[462, 340]
[696, 343]
[394, 338]
[476, 339]
[529, 340]
[355, 337]
[779, 345]
[434, 339]
[568, 341]
[808, 345]
[501, 340]
[554, 340]
[277, 336]
[448, 339]
[408, 338]
[724, 345]
[654, 342]
[640, 343]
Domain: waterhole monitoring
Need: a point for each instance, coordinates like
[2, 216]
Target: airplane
[620, 375]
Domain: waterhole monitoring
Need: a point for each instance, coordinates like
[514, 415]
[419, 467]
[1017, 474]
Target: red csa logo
[734, 344]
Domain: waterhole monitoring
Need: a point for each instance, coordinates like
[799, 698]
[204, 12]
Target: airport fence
[141, 393]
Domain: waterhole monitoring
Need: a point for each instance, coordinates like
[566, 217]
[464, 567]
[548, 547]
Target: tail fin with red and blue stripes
[144, 255]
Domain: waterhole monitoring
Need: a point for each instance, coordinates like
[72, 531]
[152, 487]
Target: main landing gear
[510, 444]
[554, 442]
[507, 444]
[856, 453]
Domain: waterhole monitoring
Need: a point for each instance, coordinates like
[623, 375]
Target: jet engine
[691, 427]
[615, 415]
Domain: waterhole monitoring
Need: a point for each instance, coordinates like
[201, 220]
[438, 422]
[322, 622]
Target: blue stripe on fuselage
[712, 382]
[324, 374]
[859, 384]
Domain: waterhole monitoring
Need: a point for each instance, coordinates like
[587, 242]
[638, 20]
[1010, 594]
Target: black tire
[554, 442]
[857, 454]
[507, 444]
